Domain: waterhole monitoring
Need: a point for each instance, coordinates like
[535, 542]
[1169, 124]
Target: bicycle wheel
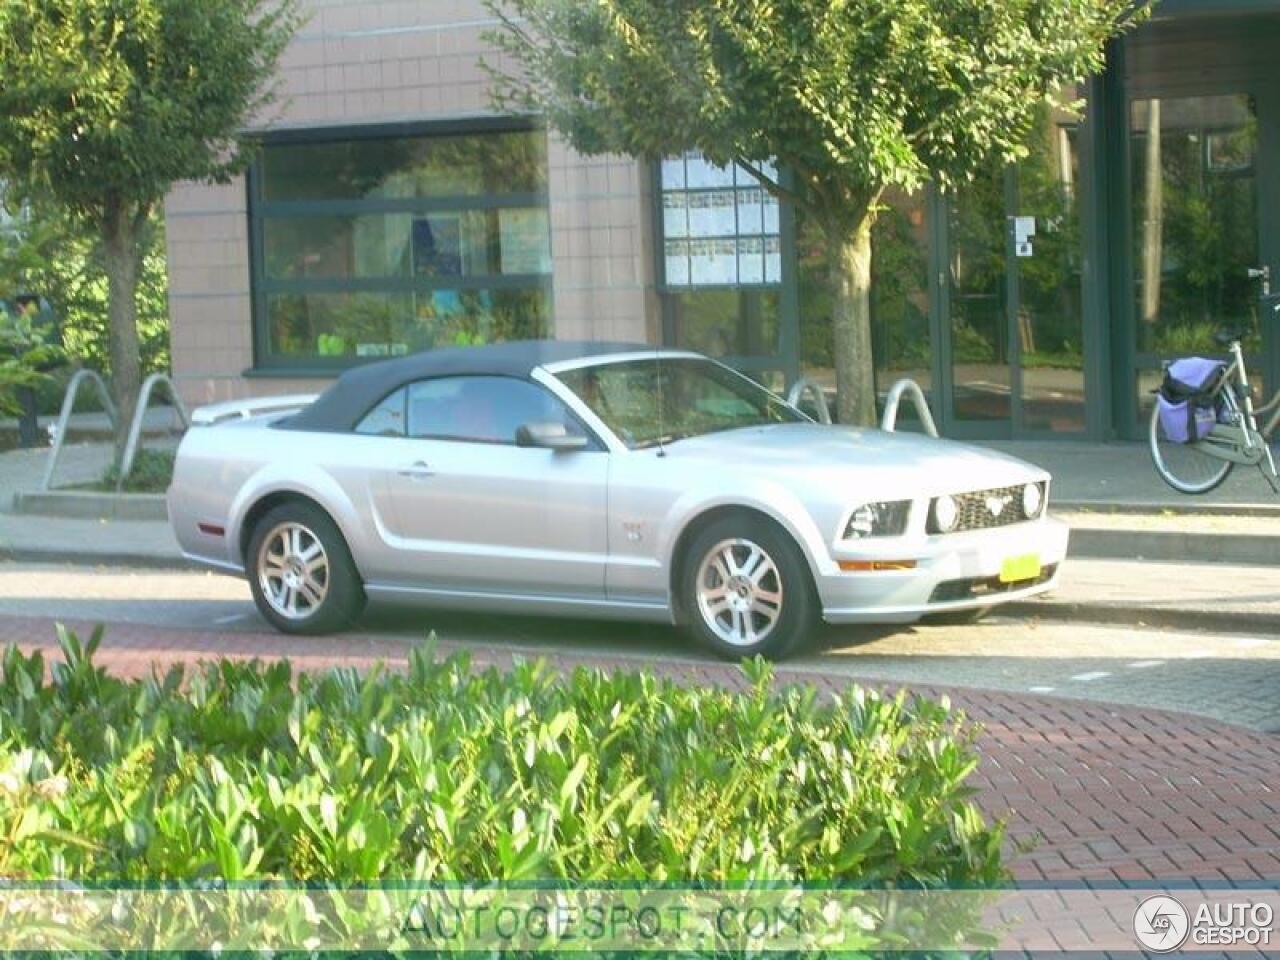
[1185, 466]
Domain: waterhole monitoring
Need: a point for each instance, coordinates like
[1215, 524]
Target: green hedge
[245, 771]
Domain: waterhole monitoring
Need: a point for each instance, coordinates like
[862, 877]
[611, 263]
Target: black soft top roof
[343, 405]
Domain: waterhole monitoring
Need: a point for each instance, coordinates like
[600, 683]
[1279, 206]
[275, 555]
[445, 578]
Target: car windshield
[697, 397]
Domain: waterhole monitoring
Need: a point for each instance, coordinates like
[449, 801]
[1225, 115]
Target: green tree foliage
[851, 96]
[50, 254]
[24, 354]
[105, 104]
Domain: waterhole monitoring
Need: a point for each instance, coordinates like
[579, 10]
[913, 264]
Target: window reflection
[511, 161]
[1194, 221]
[899, 297]
[375, 248]
[978, 297]
[1050, 318]
[335, 326]
[727, 322]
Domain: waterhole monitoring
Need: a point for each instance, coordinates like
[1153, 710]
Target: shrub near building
[248, 771]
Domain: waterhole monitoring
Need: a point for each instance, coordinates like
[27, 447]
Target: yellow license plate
[1017, 569]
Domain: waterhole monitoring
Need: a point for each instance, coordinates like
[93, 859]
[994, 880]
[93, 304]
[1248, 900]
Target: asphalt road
[1227, 677]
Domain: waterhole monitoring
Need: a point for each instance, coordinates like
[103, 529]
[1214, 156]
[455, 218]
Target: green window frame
[365, 242]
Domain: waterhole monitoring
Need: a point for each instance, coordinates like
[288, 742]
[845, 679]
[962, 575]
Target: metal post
[814, 389]
[64, 418]
[139, 414]
[889, 422]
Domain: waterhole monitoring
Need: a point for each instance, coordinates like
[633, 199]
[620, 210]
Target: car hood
[899, 464]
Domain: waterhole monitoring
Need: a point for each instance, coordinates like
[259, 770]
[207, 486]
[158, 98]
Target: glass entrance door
[1012, 308]
[1196, 253]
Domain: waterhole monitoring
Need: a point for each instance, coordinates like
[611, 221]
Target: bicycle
[1199, 467]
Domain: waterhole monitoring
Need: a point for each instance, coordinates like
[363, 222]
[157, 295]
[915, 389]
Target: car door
[469, 510]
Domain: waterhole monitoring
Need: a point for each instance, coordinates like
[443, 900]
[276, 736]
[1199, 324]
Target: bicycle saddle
[1225, 338]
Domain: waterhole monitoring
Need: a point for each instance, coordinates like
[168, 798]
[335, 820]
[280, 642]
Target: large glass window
[722, 238]
[1050, 319]
[1194, 227]
[380, 247]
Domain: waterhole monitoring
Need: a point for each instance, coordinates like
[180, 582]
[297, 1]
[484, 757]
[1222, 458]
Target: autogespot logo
[1161, 924]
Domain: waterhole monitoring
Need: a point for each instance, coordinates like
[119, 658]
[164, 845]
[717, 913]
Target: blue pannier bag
[1186, 398]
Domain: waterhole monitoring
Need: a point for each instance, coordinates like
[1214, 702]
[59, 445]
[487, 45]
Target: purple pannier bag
[1186, 401]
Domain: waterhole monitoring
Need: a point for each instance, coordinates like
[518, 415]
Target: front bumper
[958, 571]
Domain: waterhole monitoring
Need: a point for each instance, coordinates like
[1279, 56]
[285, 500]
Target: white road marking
[222, 621]
[1087, 677]
[1144, 664]
[1040, 689]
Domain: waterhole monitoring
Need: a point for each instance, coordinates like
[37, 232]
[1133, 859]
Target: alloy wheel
[739, 592]
[293, 571]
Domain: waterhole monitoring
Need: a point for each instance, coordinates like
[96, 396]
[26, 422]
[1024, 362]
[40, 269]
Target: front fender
[764, 496]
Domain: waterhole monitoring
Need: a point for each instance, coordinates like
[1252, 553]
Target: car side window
[387, 419]
[481, 409]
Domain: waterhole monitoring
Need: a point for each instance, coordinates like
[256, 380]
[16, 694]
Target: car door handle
[418, 471]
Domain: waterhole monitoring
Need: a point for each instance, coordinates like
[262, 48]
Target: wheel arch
[268, 502]
[706, 518]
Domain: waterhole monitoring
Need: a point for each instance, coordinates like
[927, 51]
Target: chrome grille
[974, 513]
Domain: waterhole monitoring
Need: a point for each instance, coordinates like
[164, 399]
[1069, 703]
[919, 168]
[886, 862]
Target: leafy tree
[24, 354]
[105, 104]
[852, 97]
[51, 254]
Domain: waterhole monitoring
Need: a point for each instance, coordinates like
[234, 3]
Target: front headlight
[884, 519]
[946, 513]
[1032, 500]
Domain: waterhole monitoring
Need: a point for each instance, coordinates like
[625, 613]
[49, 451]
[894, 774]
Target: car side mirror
[549, 435]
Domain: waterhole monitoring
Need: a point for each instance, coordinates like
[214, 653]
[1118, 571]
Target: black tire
[342, 598]
[797, 614]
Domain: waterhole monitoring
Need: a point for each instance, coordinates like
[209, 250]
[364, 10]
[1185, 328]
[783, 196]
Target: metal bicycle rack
[135, 427]
[807, 385]
[64, 417]
[889, 422]
[139, 414]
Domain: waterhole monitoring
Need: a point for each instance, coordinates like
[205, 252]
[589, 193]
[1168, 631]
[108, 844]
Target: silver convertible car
[602, 480]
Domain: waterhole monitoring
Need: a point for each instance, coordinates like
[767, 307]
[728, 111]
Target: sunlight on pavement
[74, 583]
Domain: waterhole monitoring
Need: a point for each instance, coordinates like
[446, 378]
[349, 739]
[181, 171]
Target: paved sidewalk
[1122, 473]
[1101, 793]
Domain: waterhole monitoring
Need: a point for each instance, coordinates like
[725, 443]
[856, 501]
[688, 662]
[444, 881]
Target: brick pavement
[1098, 792]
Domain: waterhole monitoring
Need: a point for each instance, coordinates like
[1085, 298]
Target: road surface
[1224, 676]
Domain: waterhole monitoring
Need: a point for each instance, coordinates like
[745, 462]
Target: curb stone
[1136, 615]
[1191, 508]
[137, 560]
[1174, 545]
[91, 505]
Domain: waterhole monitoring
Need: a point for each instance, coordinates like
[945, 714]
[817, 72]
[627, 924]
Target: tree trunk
[850, 258]
[121, 233]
